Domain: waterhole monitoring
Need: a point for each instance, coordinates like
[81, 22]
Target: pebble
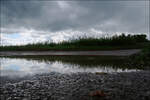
[77, 86]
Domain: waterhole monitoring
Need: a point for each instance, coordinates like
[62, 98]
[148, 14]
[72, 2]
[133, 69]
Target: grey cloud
[53, 16]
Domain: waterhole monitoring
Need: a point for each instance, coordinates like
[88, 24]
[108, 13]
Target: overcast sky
[33, 21]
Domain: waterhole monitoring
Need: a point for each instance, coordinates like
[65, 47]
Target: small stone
[100, 73]
[97, 93]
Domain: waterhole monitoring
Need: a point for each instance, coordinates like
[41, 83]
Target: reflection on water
[23, 66]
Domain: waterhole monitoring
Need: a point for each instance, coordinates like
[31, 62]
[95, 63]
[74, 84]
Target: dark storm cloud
[112, 16]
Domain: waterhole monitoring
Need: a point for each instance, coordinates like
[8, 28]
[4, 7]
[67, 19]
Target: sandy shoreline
[71, 53]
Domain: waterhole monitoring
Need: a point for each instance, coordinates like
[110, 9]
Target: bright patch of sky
[14, 36]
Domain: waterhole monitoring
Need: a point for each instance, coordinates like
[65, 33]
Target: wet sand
[72, 53]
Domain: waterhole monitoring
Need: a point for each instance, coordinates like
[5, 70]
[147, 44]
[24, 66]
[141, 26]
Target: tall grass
[85, 43]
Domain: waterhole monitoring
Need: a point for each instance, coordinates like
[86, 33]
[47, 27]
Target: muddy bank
[79, 86]
[71, 53]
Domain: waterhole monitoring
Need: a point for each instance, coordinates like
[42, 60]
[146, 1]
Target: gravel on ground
[78, 86]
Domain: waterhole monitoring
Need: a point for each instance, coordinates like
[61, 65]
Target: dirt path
[70, 53]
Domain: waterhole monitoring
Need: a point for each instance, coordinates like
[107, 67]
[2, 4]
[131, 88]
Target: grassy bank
[109, 43]
[141, 59]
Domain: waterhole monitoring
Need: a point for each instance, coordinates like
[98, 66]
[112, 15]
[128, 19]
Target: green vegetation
[141, 59]
[109, 43]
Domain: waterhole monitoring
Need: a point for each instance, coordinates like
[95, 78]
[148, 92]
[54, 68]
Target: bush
[82, 43]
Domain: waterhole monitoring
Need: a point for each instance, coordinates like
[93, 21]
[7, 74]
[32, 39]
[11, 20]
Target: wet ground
[79, 86]
[66, 53]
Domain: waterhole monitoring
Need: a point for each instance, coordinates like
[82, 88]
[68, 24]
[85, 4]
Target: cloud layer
[64, 19]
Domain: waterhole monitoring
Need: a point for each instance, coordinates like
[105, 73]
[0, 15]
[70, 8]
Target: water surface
[20, 67]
